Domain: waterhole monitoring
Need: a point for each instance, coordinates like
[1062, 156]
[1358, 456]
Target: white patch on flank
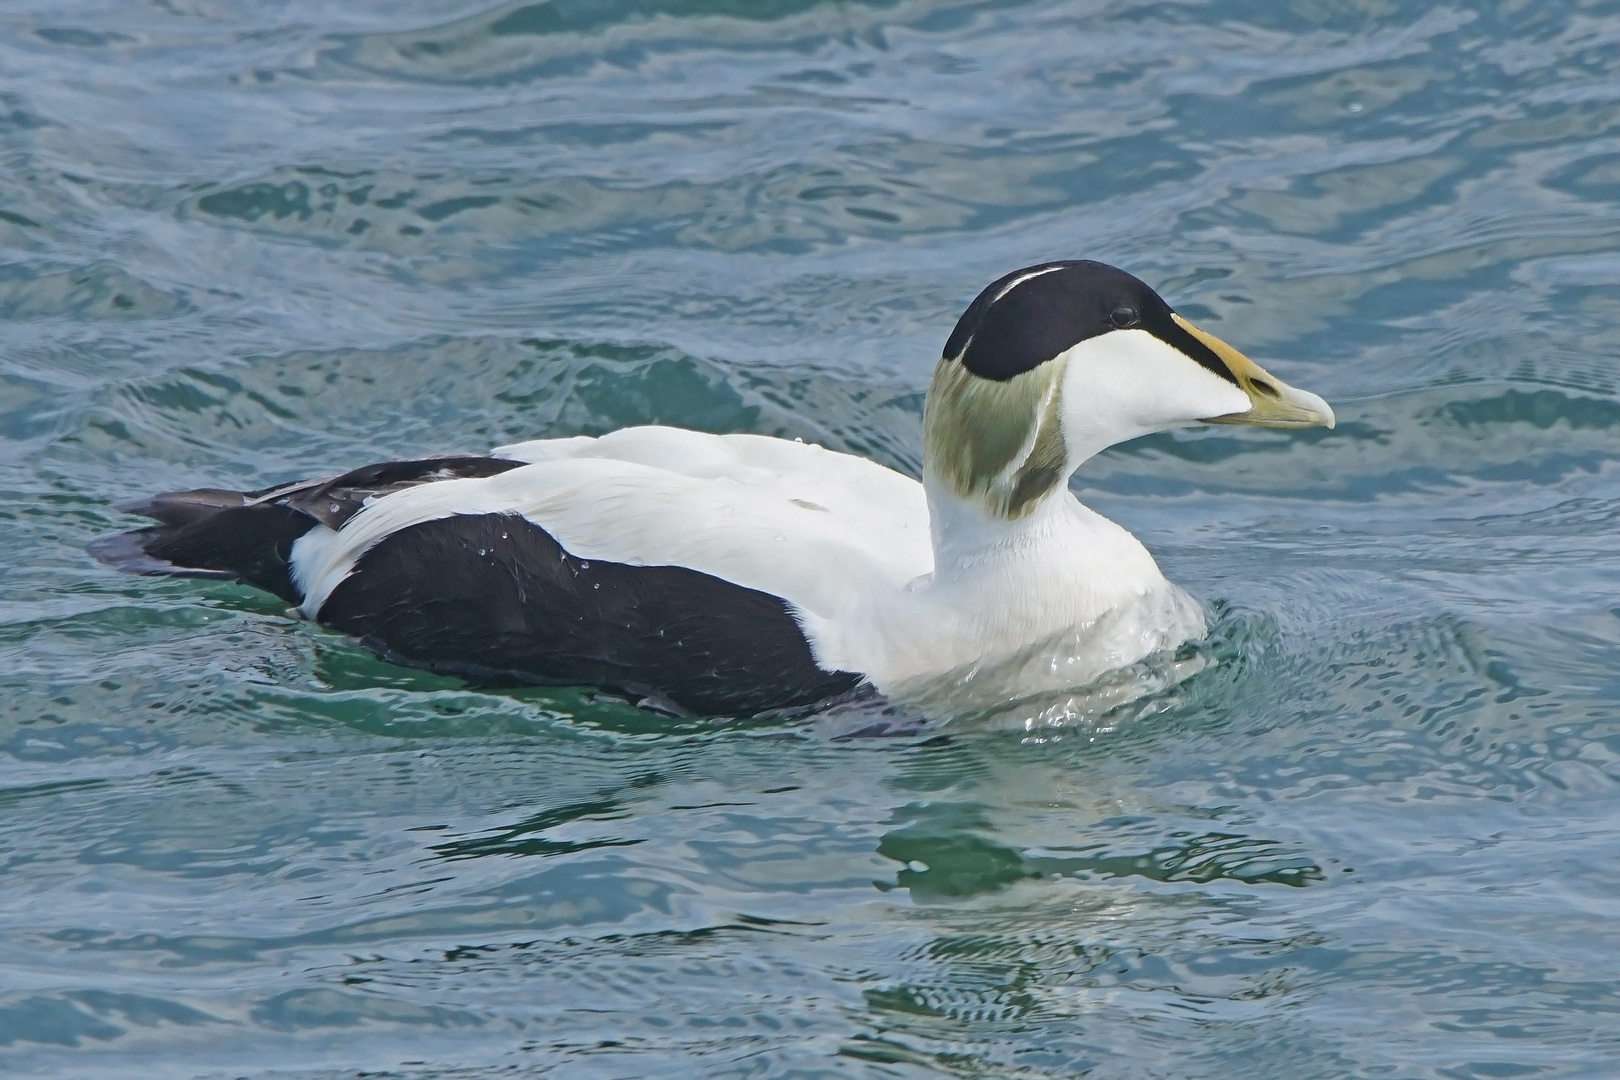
[308, 552]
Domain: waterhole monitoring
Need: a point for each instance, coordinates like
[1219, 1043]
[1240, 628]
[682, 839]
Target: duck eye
[1123, 317]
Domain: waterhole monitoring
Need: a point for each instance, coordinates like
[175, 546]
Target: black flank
[495, 597]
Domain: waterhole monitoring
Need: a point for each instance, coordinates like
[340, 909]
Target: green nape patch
[997, 443]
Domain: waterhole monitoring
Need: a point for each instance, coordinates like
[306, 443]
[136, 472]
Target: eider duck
[739, 574]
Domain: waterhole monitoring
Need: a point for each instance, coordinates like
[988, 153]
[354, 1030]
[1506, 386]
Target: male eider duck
[736, 574]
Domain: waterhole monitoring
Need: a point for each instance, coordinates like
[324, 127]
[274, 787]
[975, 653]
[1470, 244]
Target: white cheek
[1128, 383]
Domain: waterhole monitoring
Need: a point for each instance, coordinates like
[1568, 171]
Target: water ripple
[1372, 834]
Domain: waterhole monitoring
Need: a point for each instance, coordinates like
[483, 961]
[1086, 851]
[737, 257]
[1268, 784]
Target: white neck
[1004, 593]
[968, 537]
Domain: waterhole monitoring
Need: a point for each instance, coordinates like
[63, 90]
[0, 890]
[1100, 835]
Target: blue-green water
[247, 242]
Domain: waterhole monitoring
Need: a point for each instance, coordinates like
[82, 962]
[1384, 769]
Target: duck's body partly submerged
[739, 573]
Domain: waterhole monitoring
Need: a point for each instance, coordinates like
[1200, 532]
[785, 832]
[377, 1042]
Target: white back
[823, 530]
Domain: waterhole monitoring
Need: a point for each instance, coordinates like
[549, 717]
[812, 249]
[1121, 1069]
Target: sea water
[1376, 834]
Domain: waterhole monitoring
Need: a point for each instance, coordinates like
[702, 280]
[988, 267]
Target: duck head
[1054, 363]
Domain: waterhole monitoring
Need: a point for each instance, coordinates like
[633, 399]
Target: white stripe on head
[1019, 280]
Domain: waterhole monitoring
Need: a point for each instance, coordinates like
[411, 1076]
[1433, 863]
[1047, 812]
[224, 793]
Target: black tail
[210, 533]
[248, 536]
